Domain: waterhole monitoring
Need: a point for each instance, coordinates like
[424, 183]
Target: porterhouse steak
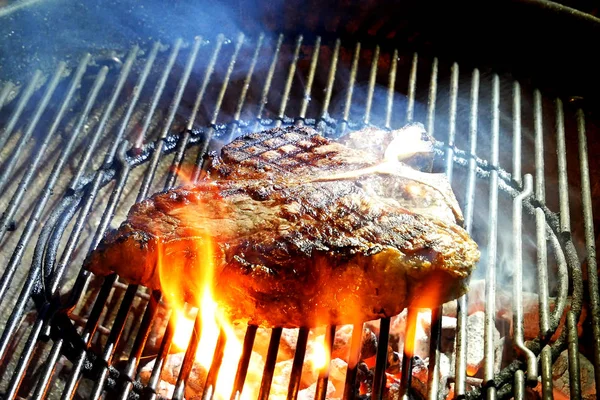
[300, 230]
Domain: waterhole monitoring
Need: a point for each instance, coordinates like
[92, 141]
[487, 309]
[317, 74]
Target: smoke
[39, 34]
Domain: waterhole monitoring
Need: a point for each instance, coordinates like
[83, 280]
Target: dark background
[553, 46]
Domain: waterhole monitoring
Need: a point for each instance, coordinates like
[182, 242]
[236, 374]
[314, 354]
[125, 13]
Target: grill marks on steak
[300, 151]
[289, 249]
[285, 152]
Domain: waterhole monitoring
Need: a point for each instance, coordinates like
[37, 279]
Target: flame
[178, 271]
[184, 173]
[320, 356]
[183, 331]
[420, 314]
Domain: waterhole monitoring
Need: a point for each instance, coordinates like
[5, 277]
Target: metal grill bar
[24, 139]
[127, 302]
[47, 371]
[118, 325]
[15, 201]
[207, 74]
[149, 176]
[516, 168]
[563, 184]
[546, 367]
[433, 376]
[15, 260]
[452, 121]
[563, 287]
[188, 359]
[573, 354]
[116, 194]
[352, 80]
[462, 307]
[190, 356]
[436, 314]
[288, 83]
[213, 372]
[322, 381]
[190, 353]
[165, 345]
[87, 335]
[113, 340]
[213, 121]
[519, 380]
[371, 91]
[267, 377]
[310, 78]
[490, 289]
[57, 169]
[588, 221]
[236, 51]
[6, 89]
[298, 363]
[350, 389]
[412, 317]
[381, 360]
[91, 324]
[238, 110]
[432, 97]
[379, 380]
[23, 100]
[540, 194]
[330, 80]
[268, 80]
[519, 385]
[24, 359]
[391, 90]
[108, 112]
[412, 87]
[137, 89]
[152, 307]
[29, 347]
[518, 328]
[242, 369]
[97, 132]
[71, 386]
[128, 373]
[160, 361]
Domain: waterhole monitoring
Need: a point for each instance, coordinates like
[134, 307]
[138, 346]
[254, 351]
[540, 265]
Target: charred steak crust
[288, 250]
[284, 152]
[294, 254]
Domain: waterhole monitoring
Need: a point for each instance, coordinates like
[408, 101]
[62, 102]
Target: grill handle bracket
[532, 372]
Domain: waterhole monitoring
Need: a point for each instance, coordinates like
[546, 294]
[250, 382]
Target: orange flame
[320, 358]
[186, 272]
[184, 174]
[428, 298]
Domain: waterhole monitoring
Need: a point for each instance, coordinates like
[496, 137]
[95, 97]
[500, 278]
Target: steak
[298, 230]
[300, 151]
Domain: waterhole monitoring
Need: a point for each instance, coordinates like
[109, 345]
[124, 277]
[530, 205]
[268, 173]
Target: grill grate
[109, 125]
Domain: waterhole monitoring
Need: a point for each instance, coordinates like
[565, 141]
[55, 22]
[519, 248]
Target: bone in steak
[303, 231]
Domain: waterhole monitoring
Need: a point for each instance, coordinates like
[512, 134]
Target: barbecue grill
[84, 138]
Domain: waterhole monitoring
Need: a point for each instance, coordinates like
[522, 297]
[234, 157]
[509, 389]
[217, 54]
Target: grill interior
[83, 143]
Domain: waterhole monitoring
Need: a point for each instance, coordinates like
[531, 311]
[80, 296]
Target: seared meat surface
[293, 151]
[297, 242]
